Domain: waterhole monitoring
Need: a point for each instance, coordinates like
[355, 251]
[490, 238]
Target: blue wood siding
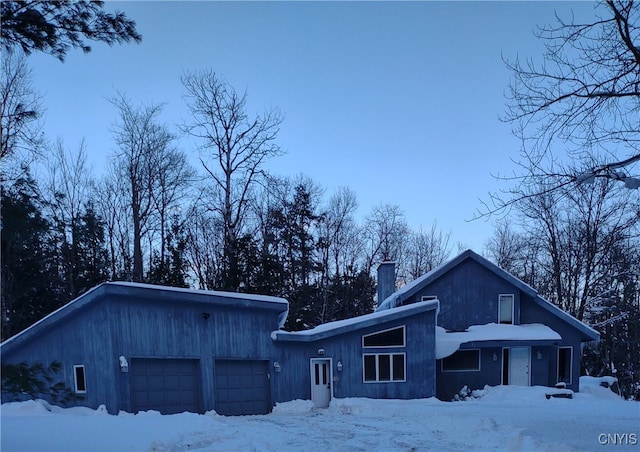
[469, 296]
[83, 338]
[294, 381]
[532, 313]
[143, 327]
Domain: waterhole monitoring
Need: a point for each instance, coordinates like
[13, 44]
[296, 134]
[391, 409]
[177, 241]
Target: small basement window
[387, 338]
[429, 297]
[462, 361]
[384, 367]
[79, 380]
[505, 309]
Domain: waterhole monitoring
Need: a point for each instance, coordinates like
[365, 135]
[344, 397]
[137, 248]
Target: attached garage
[242, 387]
[166, 385]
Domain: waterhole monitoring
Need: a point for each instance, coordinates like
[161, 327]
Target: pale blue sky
[398, 101]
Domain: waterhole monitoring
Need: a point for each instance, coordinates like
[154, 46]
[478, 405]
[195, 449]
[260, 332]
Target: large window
[505, 309]
[382, 367]
[565, 356]
[387, 338]
[461, 361]
[80, 384]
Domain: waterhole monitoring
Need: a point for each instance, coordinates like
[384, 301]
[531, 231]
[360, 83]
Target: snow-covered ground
[502, 418]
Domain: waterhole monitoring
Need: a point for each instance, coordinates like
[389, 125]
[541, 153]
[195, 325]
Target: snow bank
[599, 387]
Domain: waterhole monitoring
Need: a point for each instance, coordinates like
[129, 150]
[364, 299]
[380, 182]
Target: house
[492, 328]
[137, 347]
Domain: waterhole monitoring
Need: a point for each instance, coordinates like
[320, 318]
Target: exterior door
[519, 361]
[321, 376]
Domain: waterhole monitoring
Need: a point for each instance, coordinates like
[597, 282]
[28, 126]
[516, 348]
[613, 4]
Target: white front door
[519, 361]
[321, 377]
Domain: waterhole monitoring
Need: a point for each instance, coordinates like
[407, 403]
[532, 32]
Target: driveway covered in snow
[503, 418]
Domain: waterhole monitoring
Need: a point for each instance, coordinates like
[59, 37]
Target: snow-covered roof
[447, 343]
[343, 326]
[403, 294]
[130, 288]
[217, 293]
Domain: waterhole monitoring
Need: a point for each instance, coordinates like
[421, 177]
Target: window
[79, 380]
[429, 297]
[384, 367]
[565, 356]
[387, 338]
[461, 361]
[505, 309]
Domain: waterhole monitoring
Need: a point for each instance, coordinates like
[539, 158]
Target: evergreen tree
[173, 269]
[31, 287]
[56, 26]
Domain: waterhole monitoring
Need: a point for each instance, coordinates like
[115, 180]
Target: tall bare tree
[234, 148]
[576, 111]
[144, 149]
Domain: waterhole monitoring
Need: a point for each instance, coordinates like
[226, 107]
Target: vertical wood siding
[294, 382]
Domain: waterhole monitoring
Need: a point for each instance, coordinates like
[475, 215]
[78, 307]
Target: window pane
[317, 368]
[79, 377]
[384, 367]
[390, 338]
[369, 367]
[462, 360]
[398, 367]
[505, 309]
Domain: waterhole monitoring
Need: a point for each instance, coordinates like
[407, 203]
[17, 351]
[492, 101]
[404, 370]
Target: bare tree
[20, 108]
[576, 230]
[339, 230]
[235, 148]
[144, 148]
[576, 112]
[386, 235]
[427, 250]
[68, 189]
[111, 203]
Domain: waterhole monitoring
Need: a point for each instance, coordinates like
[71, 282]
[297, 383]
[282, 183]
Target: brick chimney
[386, 280]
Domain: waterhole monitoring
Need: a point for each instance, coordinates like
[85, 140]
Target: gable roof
[160, 293]
[408, 290]
[337, 327]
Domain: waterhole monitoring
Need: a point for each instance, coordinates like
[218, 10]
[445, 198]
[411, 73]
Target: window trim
[442, 369]
[513, 308]
[404, 338]
[377, 357]
[570, 364]
[75, 379]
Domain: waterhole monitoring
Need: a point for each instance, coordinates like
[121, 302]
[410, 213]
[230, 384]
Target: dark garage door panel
[166, 385]
[242, 387]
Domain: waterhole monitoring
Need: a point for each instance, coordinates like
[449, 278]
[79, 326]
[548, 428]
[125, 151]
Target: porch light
[321, 351]
[539, 354]
[339, 366]
[124, 365]
[495, 356]
[276, 366]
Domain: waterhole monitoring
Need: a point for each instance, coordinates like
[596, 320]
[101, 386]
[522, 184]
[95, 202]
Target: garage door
[166, 385]
[242, 387]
